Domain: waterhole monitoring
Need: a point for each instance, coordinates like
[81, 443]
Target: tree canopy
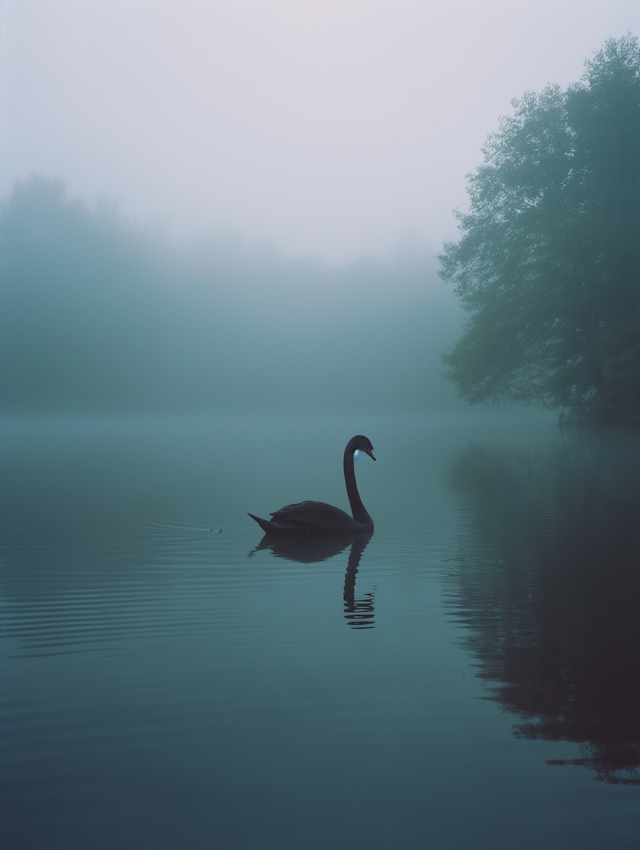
[548, 264]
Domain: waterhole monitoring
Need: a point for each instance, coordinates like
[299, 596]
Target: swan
[319, 518]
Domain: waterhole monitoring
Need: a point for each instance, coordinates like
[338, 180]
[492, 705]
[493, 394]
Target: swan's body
[318, 518]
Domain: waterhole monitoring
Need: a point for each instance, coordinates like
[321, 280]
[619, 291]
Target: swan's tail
[265, 524]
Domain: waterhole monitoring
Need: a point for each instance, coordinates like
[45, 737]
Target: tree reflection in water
[359, 613]
[548, 584]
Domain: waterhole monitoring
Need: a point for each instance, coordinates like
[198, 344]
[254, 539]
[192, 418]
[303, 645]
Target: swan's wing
[311, 513]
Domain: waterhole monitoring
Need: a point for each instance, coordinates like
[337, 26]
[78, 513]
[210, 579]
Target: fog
[255, 193]
[97, 315]
[332, 128]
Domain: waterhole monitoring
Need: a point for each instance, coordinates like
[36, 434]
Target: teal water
[166, 684]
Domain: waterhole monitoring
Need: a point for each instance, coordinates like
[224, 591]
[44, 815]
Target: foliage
[548, 266]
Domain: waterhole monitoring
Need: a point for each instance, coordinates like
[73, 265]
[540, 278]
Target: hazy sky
[335, 128]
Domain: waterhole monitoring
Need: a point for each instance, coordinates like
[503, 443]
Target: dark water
[469, 677]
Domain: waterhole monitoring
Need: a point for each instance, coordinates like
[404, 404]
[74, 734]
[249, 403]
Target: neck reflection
[358, 612]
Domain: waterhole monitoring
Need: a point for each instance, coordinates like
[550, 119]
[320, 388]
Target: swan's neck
[357, 508]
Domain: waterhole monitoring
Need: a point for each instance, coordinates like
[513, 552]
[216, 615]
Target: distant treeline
[99, 315]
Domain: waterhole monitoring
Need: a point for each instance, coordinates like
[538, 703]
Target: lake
[467, 677]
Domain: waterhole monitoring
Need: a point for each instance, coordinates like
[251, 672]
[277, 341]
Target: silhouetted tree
[548, 265]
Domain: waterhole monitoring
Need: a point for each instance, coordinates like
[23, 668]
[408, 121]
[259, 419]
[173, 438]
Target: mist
[279, 177]
[98, 315]
[228, 243]
[325, 128]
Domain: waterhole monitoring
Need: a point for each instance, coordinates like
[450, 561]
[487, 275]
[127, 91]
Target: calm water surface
[468, 678]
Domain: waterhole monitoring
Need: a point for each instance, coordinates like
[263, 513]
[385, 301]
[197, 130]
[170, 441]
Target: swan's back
[308, 518]
[318, 513]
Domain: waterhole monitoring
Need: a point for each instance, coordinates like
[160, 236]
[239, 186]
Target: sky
[328, 128]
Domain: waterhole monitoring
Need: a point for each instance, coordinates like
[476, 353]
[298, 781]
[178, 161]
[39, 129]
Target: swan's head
[361, 444]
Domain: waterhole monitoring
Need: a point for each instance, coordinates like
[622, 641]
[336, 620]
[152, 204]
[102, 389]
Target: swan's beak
[369, 453]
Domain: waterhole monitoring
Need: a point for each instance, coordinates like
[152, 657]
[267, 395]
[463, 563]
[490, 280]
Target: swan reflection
[359, 613]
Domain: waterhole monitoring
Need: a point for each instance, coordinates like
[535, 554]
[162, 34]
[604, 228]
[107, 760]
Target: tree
[548, 265]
